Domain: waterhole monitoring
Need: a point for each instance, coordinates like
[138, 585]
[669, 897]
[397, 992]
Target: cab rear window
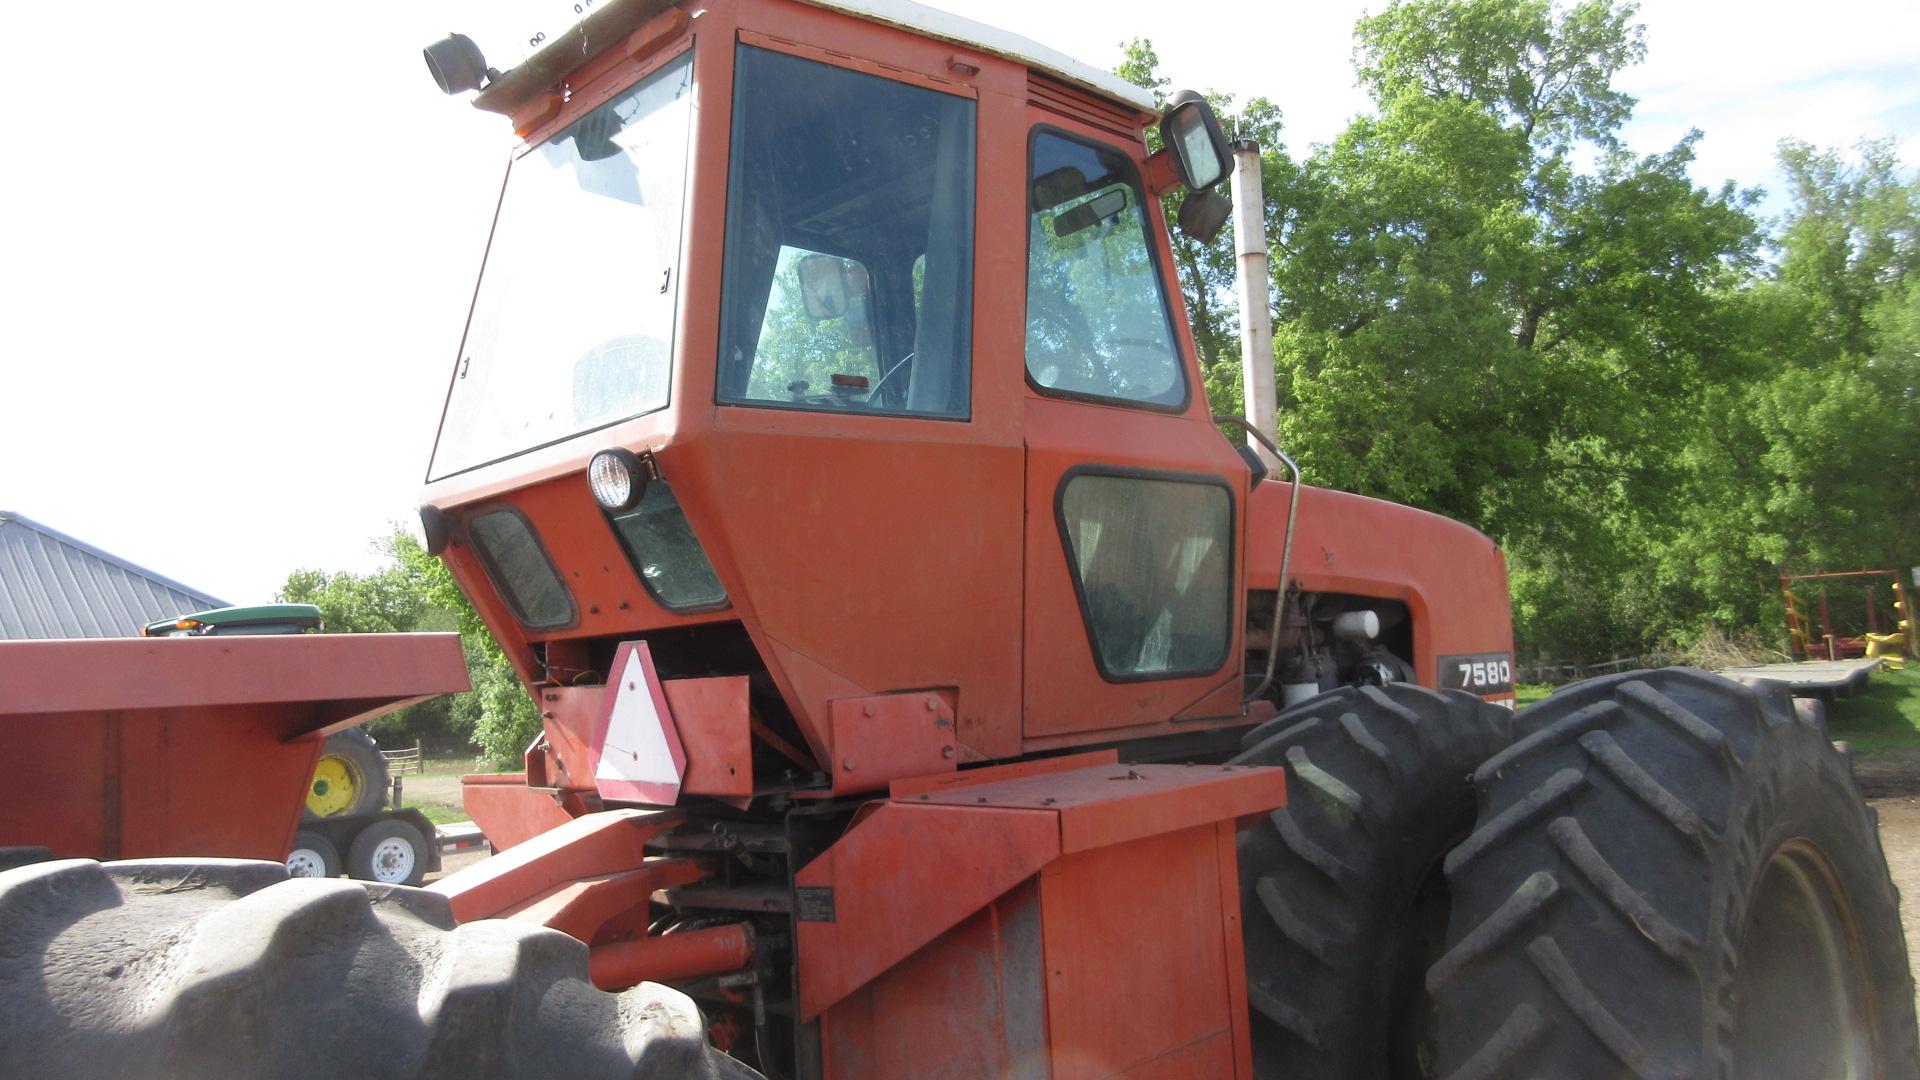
[848, 279]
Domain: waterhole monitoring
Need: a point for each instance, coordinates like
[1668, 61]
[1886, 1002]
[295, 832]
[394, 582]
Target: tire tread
[166, 968]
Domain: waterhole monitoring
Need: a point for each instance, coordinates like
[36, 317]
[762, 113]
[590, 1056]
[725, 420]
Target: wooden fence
[1559, 672]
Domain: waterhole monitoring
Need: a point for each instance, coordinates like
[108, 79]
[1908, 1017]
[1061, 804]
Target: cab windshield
[573, 323]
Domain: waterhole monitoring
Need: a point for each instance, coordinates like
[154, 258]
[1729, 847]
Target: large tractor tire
[228, 968]
[1342, 899]
[351, 777]
[1673, 875]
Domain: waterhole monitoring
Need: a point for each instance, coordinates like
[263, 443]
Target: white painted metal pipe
[1256, 316]
[1356, 626]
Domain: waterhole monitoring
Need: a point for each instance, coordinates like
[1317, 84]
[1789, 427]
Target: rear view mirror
[1104, 206]
[1192, 134]
[823, 286]
[1203, 214]
[1058, 187]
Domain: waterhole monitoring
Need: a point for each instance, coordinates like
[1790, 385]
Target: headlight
[617, 479]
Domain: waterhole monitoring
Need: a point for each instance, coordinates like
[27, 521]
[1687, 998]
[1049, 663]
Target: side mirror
[1192, 133]
[823, 287]
[1203, 214]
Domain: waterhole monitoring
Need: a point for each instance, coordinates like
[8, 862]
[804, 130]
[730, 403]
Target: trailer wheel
[156, 969]
[313, 855]
[1674, 875]
[391, 852]
[351, 777]
[1342, 900]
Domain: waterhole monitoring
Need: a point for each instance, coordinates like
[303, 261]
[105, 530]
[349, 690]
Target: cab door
[1134, 502]
[870, 468]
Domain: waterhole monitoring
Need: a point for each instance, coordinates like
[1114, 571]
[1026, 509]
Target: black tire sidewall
[1799, 789]
[1363, 1005]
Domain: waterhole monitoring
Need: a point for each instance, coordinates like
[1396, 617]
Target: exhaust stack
[1256, 315]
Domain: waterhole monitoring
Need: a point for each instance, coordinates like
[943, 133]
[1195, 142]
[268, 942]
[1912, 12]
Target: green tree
[1488, 306]
[413, 592]
[1848, 246]
[1474, 322]
[1812, 462]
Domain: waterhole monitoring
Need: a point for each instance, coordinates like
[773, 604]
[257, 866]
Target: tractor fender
[1453, 578]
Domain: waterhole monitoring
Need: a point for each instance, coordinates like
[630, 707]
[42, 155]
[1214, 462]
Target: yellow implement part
[1889, 647]
[336, 785]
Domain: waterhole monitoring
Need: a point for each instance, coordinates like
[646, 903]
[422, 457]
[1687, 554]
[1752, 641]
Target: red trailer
[152, 746]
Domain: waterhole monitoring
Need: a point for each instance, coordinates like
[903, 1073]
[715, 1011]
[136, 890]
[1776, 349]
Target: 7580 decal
[1478, 673]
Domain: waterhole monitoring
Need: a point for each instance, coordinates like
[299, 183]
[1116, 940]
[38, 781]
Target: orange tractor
[930, 690]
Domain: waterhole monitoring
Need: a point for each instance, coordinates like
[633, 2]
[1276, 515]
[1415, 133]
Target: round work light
[617, 479]
[456, 64]
[437, 525]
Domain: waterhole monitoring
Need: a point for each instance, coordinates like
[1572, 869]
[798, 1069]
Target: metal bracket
[1286, 549]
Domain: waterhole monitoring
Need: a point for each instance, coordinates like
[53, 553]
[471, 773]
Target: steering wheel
[797, 393]
[873, 390]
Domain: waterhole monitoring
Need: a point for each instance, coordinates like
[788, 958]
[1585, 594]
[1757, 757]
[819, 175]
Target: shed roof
[53, 586]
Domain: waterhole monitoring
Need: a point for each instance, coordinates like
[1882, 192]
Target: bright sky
[239, 239]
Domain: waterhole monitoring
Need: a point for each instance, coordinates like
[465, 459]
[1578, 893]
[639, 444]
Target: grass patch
[440, 813]
[1883, 720]
[1528, 693]
[453, 766]
[435, 790]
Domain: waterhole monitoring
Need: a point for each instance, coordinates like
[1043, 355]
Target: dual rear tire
[1342, 900]
[1672, 875]
[1666, 875]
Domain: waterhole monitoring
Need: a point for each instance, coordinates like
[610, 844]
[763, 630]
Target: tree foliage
[413, 592]
[1812, 461]
[1489, 306]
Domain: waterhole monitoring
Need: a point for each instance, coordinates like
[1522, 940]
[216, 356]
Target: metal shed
[53, 586]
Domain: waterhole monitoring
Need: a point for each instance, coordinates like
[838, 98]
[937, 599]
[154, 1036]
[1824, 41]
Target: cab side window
[1098, 324]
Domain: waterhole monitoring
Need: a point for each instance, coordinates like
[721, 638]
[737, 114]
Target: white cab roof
[935, 23]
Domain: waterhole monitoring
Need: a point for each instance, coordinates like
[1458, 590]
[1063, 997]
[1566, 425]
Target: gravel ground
[1900, 836]
[457, 861]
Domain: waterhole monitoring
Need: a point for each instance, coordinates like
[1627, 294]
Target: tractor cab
[835, 352]
[841, 353]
